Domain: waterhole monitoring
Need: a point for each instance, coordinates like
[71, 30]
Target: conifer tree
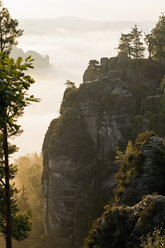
[137, 45]
[13, 98]
[94, 65]
[150, 43]
[23, 200]
[158, 37]
[9, 31]
[14, 85]
[125, 45]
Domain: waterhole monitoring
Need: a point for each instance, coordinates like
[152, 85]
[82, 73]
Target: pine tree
[94, 65]
[14, 85]
[137, 45]
[125, 45]
[23, 200]
[150, 43]
[9, 31]
[31, 198]
[158, 36]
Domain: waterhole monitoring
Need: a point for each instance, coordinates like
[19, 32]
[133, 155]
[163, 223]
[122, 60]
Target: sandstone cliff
[122, 226]
[128, 218]
[79, 146]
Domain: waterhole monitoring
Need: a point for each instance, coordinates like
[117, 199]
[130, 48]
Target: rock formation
[149, 175]
[80, 145]
[122, 226]
[126, 220]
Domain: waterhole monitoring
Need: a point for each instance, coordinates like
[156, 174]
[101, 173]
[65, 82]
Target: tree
[8, 30]
[31, 166]
[158, 36]
[137, 45]
[125, 45]
[11, 77]
[149, 42]
[94, 65]
[69, 84]
[14, 84]
[23, 200]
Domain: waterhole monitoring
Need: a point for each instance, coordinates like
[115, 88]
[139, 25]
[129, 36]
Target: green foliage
[41, 63]
[142, 123]
[28, 180]
[158, 37]
[150, 43]
[130, 44]
[22, 200]
[156, 239]
[21, 226]
[125, 45]
[137, 45]
[14, 85]
[93, 70]
[143, 138]
[152, 120]
[146, 214]
[130, 162]
[110, 230]
[94, 64]
[8, 31]
[122, 226]
[20, 222]
[69, 84]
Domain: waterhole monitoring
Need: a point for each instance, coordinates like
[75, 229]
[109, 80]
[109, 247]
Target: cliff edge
[80, 146]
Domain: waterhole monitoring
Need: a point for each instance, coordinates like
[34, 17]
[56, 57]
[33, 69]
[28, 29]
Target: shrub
[130, 162]
[155, 239]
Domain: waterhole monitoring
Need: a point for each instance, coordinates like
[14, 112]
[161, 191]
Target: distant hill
[56, 25]
[41, 63]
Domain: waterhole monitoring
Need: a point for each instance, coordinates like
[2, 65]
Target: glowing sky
[91, 9]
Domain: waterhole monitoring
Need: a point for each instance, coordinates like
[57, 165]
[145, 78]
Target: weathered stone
[79, 147]
[123, 226]
[151, 174]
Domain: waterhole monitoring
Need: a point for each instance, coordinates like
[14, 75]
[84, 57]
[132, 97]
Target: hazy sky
[69, 51]
[91, 9]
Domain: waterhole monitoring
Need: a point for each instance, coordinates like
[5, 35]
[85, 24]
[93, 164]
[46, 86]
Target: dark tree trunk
[7, 189]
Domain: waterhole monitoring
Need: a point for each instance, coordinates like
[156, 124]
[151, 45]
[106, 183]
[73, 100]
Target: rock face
[122, 227]
[150, 176]
[79, 146]
[125, 221]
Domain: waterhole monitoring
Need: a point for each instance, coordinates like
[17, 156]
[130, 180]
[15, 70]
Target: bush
[154, 240]
[130, 162]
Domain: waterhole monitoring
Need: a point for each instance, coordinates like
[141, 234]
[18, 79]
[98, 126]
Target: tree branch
[3, 182]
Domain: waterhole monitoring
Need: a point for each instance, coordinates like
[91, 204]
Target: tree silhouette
[8, 30]
[137, 45]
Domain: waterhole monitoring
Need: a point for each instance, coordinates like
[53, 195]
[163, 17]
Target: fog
[70, 44]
